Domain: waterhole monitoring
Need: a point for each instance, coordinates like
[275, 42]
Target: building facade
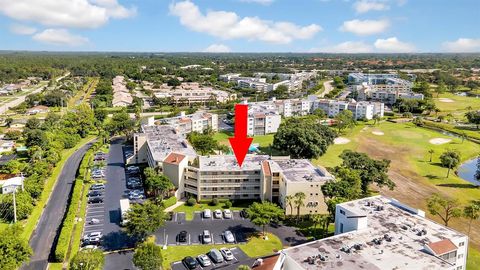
[198, 122]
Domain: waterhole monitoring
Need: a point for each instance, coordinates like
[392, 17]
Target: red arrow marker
[240, 143]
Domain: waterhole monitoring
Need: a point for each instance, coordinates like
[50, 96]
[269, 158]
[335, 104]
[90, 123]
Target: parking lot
[107, 212]
[239, 227]
[239, 258]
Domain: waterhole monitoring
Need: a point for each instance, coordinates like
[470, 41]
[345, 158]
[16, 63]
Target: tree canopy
[14, 250]
[144, 219]
[88, 260]
[262, 214]
[148, 256]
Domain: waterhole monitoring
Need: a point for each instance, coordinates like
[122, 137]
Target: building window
[461, 244]
[460, 256]
[460, 267]
[341, 227]
[342, 212]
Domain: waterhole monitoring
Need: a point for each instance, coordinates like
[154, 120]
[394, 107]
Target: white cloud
[65, 13]
[364, 6]
[462, 45]
[228, 25]
[393, 45]
[262, 2]
[346, 47]
[365, 27]
[60, 37]
[20, 29]
[217, 48]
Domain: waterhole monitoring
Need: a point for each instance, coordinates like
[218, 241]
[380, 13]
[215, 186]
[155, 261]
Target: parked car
[229, 238]
[90, 247]
[215, 255]
[93, 238]
[217, 213]
[244, 213]
[207, 213]
[227, 254]
[204, 260]
[190, 262]
[182, 236]
[206, 237]
[95, 200]
[94, 221]
[95, 193]
[97, 187]
[227, 214]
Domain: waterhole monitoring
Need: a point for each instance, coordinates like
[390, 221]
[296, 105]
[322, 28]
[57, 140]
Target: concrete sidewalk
[177, 204]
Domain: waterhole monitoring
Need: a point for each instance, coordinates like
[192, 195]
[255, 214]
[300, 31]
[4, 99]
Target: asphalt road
[44, 236]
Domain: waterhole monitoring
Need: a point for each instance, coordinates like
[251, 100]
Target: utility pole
[14, 206]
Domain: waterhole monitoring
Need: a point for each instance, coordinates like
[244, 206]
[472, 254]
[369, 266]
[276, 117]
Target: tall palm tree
[431, 151]
[472, 212]
[289, 201]
[299, 202]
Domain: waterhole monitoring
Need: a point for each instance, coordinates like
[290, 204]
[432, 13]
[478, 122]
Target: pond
[467, 171]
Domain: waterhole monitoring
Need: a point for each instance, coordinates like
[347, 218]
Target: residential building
[121, 95]
[386, 88]
[262, 119]
[6, 146]
[198, 122]
[11, 185]
[380, 233]
[190, 93]
[219, 176]
[292, 81]
[38, 109]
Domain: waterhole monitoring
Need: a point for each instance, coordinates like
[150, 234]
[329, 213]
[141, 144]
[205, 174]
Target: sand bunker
[378, 133]
[438, 141]
[341, 140]
[446, 100]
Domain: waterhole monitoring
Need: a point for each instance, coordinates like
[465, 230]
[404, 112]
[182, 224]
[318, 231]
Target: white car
[229, 238]
[93, 238]
[207, 213]
[217, 213]
[204, 260]
[227, 214]
[206, 237]
[227, 254]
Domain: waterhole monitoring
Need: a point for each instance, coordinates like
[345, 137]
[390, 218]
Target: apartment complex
[385, 88]
[292, 81]
[219, 176]
[296, 107]
[198, 122]
[121, 95]
[380, 233]
[190, 93]
[262, 119]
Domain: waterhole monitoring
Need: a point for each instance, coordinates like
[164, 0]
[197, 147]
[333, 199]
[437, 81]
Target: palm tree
[376, 119]
[472, 212]
[299, 202]
[431, 151]
[289, 202]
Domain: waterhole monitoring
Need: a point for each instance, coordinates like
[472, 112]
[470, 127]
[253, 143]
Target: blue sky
[345, 26]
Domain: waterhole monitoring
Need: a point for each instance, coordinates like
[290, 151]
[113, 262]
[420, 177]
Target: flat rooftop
[163, 140]
[300, 170]
[229, 163]
[404, 251]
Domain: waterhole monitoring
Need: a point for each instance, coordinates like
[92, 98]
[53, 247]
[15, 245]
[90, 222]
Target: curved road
[48, 226]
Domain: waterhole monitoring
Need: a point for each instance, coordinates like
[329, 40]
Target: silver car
[206, 237]
[204, 260]
[229, 238]
[227, 254]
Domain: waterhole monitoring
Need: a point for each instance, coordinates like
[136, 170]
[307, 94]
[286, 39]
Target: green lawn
[255, 247]
[473, 259]
[459, 103]
[189, 210]
[49, 184]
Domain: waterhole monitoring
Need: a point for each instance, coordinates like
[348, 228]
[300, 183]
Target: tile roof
[174, 158]
[442, 247]
[266, 168]
[267, 263]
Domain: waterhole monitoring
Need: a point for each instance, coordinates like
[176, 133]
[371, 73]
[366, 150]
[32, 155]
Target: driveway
[119, 261]
[44, 238]
[328, 87]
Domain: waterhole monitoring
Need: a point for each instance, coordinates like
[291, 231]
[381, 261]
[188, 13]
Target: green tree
[473, 117]
[344, 120]
[450, 159]
[88, 260]
[431, 152]
[441, 89]
[289, 201]
[144, 219]
[348, 184]
[370, 170]
[148, 256]
[443, 207]
[299, 201]
[158, 184]
[303, 138]
[121, 123]
[472, 212]
[244, 267]
[376, 119]
[262, 214]
[203, 143]
[14, 249]
[24, 204]
[320, 113]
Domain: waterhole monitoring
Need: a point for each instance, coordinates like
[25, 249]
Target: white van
[207, 213]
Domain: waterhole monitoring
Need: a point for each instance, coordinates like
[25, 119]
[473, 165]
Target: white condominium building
[219, 176]
[380, 233]
[292, 81]
[262, 119]
[190, 92]
[198, 122]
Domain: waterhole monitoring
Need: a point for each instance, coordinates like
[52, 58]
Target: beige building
[190, 93]
[198, 122]
[261, 177]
